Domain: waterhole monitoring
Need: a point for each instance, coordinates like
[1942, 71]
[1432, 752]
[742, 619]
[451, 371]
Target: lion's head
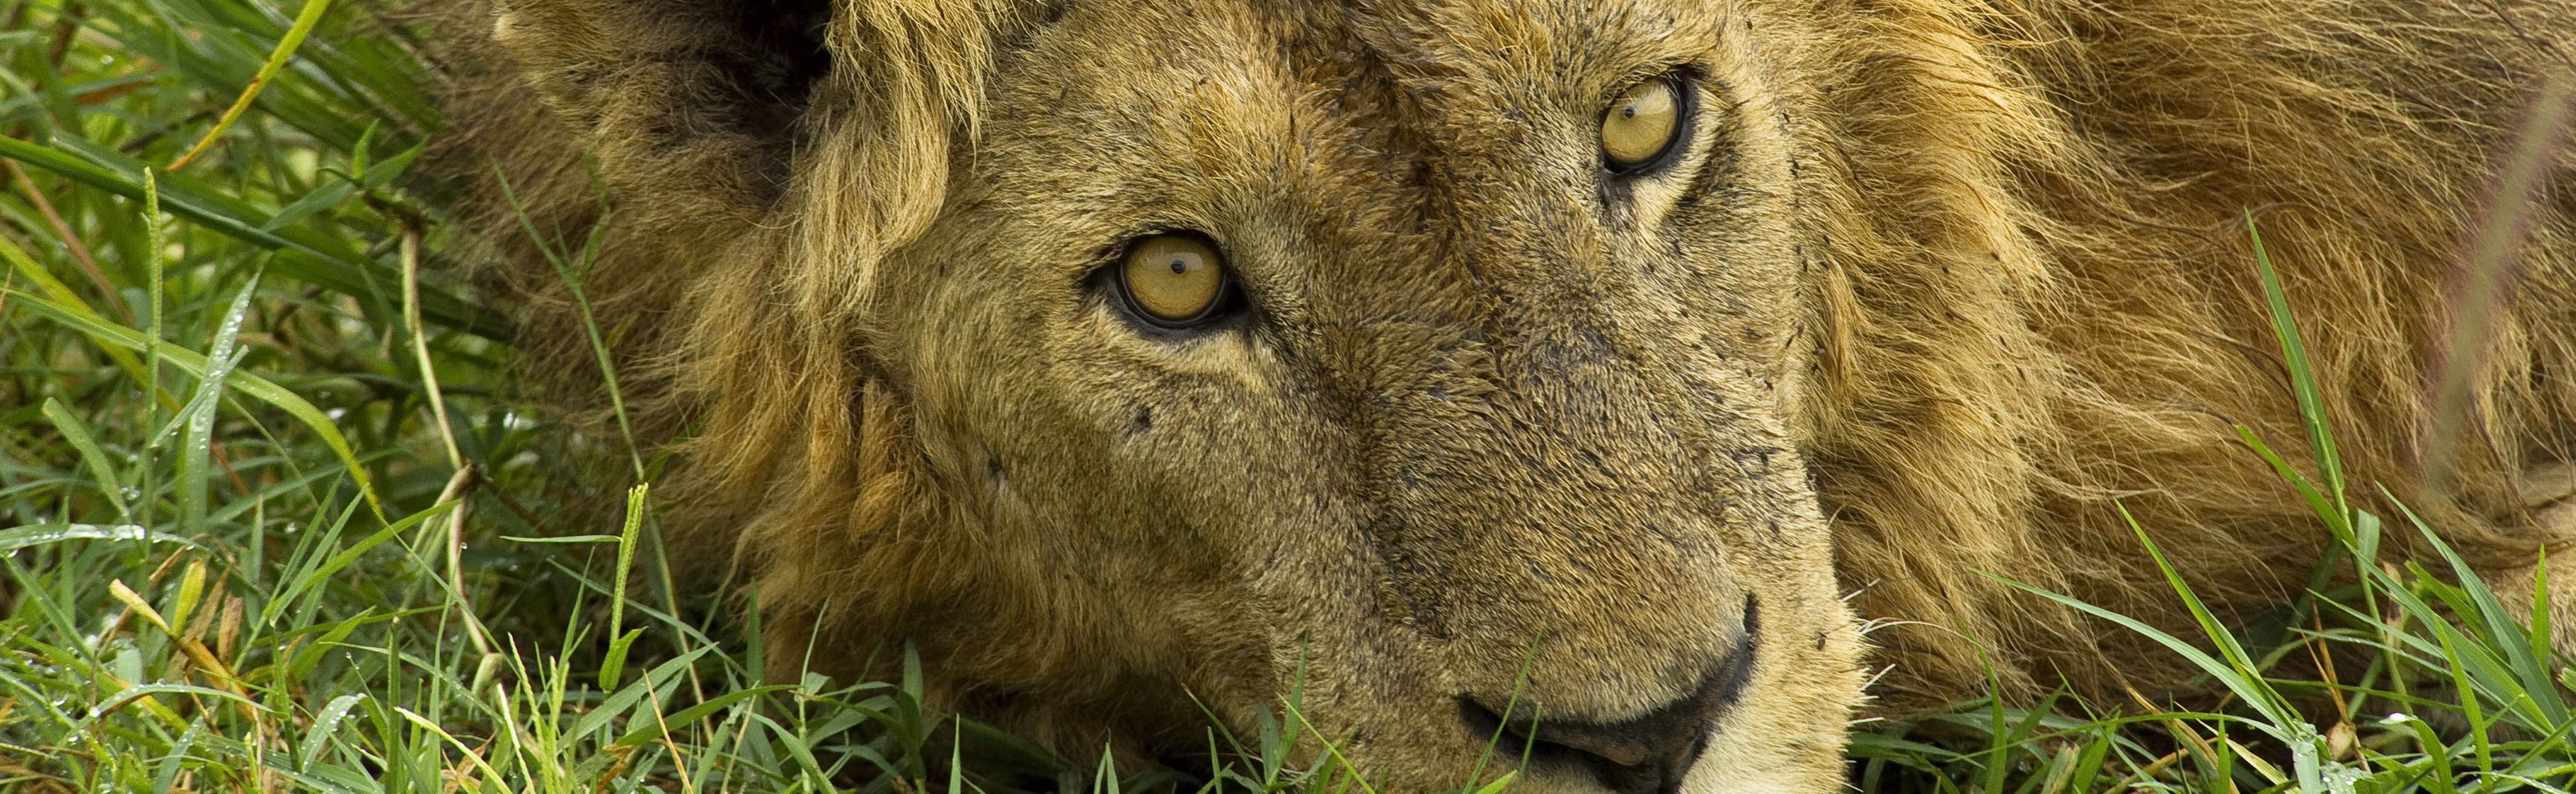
[1477, 370]
[1440, 360]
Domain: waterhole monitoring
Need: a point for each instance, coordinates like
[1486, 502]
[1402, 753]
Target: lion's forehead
[1230, 85]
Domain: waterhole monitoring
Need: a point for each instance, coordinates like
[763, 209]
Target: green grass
[241, 555]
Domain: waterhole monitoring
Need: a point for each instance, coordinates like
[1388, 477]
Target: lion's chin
[1729, 775]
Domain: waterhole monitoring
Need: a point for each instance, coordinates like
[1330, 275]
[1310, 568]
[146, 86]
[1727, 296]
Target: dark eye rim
[1111, 277]
[1686, 112]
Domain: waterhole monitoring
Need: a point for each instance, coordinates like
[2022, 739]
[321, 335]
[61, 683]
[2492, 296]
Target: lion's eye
[1174, 281]
[1643, 127]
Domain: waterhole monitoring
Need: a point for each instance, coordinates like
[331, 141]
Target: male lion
[1576, 370]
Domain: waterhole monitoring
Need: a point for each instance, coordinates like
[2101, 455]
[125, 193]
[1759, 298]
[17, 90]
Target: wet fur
[2028, 292]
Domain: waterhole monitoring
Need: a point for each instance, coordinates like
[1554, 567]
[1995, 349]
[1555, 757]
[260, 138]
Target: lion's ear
[784, 142]
[675, 98]
[719, 99]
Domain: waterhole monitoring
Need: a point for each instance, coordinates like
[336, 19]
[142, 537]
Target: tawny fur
[2025, 292]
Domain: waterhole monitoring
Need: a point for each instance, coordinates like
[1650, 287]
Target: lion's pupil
[1180, 266]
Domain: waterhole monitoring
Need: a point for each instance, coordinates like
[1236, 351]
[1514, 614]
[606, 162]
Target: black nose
[1646, 754]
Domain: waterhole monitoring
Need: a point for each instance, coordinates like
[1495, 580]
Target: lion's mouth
[1628, 774]
[1647, 754]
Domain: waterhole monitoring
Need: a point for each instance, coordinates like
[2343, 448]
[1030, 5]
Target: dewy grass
[238, 554]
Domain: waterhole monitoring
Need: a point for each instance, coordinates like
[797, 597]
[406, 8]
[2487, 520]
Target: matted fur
[2023, 290]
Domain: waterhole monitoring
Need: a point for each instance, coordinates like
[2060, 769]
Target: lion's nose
[1646, 754]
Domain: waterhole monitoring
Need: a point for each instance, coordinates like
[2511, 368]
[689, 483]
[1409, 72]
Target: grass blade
[304, 22]
[253, 385]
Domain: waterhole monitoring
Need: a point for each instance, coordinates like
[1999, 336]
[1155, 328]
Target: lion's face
[1436, 364]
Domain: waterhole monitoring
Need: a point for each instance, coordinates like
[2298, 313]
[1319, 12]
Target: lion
[1581, 375]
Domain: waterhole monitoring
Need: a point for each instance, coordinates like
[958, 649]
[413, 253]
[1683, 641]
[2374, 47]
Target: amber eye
[1643, 126]
[1174, 280]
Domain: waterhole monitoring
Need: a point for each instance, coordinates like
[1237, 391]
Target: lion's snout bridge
[1553, 535]
[1648, 753]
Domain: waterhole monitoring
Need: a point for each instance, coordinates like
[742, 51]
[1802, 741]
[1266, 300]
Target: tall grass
[271, 522]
